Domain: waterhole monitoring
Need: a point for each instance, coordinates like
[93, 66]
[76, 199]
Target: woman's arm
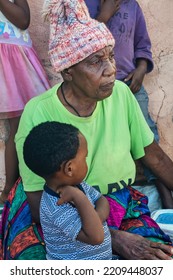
[17, 13]
[159, 163]
[162, 166]
[165, 194]
[34, 203]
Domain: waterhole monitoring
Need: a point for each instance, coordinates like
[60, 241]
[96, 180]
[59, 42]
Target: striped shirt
[62, 224]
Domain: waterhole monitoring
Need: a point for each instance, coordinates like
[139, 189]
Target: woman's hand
[135, 247]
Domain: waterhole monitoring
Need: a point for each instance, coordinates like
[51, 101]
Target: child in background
[133, 57]
[72, 227]
[21, 76]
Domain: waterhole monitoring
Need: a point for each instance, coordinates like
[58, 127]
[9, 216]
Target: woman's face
[94, 76]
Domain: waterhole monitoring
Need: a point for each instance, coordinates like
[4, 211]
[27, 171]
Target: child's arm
[142, 52]
[92, 229]
[102, 208]
[108, 9]
[17, 13]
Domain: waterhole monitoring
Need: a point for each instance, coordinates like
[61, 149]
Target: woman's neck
[75, 103]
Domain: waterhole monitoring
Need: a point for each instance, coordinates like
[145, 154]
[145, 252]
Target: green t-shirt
[116, 134]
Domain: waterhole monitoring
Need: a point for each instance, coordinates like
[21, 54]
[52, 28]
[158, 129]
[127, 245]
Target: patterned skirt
[20, 239]
[129, 212]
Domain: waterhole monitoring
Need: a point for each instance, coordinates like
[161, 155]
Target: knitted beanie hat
[73, 34]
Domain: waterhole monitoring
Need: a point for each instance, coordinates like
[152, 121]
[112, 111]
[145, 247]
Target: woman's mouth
[107, 86]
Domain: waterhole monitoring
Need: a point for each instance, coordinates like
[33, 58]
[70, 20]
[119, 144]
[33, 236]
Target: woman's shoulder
[120, 84]
[121, 96]
[120, 89]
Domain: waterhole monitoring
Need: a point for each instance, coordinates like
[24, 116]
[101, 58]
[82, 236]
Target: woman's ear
[66, 74]
[68, 168]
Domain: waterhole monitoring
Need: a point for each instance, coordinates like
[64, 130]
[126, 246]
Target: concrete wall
[159, 83]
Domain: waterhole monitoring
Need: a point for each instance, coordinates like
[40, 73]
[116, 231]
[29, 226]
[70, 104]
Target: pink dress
[21, 73]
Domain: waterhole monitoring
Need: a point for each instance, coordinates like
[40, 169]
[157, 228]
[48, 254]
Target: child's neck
[56, 184]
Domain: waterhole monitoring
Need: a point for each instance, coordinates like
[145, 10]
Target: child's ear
[68, 168]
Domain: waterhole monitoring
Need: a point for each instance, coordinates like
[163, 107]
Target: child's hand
[111, 6]
[136, 78]
[108, 9]
[68, 194]
[137, 75]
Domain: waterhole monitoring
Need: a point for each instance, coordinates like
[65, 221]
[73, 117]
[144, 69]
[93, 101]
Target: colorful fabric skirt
[129, 212]
[21, 77]
[20, 239]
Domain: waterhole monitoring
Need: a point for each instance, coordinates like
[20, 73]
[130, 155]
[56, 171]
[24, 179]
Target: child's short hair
[48, 145]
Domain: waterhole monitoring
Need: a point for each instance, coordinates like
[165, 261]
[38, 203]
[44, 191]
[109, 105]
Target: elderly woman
[107, 113]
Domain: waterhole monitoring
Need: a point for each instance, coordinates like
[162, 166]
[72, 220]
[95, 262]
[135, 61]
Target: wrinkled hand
[68, 194]
[108, 9]
[135, 247]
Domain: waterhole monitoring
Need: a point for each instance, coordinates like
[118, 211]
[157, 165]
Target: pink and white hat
[74, 35]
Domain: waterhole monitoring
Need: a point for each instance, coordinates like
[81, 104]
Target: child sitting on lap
[72, 227]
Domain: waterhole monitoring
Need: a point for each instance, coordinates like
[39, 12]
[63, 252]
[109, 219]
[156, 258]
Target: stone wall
[159, 83]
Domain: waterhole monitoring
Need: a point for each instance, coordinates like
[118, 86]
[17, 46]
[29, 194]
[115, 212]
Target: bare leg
[11, 161]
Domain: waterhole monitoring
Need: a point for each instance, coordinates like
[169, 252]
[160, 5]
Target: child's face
[80, 167]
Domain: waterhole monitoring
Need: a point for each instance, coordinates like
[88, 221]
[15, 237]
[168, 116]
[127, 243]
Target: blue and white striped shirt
[62, 224]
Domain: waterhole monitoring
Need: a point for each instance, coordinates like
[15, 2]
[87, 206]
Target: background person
[22, 77]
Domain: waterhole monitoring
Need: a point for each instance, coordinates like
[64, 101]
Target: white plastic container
[164, 218]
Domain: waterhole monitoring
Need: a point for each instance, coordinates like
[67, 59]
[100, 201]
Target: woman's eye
[94, 62]
[112, 57]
